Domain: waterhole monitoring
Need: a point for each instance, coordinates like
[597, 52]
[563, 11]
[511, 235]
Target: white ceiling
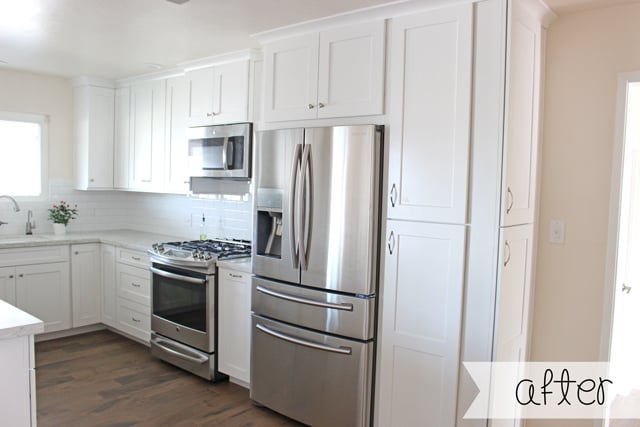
[116, 38]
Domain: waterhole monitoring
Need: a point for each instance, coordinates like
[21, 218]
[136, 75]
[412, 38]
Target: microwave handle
[225, 147]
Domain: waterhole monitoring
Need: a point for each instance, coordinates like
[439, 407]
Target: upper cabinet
[121, 139]
[522, 111]
[334, 73]
[176, 171]
[219, 94]
[429, 121]
[93, 121]
[146, 151]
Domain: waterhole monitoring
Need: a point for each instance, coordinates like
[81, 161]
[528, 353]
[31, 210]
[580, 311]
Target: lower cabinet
[85, 284]
[44, 291]
[17, 370]
[134, 319]
[234, 323]
[132, 294]
[421, 324]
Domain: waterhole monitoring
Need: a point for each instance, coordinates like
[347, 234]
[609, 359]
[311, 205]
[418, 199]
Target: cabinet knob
[11, 277]
[320, 105]
[20, 275]
[91, 180]
[311, 107]
[76, 253]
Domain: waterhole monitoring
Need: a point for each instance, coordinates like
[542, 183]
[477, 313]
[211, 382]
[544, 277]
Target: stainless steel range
[184, 302]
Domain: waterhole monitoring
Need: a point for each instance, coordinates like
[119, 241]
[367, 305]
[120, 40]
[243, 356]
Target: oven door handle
[293, 298]
[197, 358]
[177, 276]
[299, 341]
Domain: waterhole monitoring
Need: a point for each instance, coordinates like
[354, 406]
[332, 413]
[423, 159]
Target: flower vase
[59, 229]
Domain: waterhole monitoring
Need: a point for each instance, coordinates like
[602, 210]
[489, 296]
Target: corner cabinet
[94, 136]
[464, 95]
[333, 73]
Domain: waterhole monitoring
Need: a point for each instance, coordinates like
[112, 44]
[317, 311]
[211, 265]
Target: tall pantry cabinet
[464, 94]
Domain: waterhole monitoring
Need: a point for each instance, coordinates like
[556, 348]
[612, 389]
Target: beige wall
[53, 96]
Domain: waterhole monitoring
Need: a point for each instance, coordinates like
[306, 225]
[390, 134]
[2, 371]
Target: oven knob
[207, 257]
[154, 246]
[177, 329]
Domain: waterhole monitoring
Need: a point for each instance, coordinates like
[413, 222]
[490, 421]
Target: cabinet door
[421, 324]
[513, 294]
[101, 130]
[201, 96]
[16, 370]
[176, 148]
[8, 285]
[85, 284]
[430, 88]
[291, 78]
[44, 291]
[231, 92]
[147, 135]
[109, 293]
[522, 118]
[234, 327]
[121, 148]
[351, 71]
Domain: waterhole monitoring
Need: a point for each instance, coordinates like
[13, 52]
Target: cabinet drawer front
[134, 319]
[235, 276]
[134, 284]
[134, 258]
[35, 255]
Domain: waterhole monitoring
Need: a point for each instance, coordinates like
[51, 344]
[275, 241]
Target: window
[23, 157]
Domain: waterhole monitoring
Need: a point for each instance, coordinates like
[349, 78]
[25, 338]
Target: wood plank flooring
[103, 379]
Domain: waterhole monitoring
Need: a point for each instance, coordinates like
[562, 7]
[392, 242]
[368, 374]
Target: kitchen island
[17, 365]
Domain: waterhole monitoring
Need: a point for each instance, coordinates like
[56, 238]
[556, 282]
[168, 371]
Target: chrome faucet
[16, 207]
[31, 223]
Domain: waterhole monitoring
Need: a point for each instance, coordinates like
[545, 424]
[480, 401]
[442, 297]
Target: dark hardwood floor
[103, 379]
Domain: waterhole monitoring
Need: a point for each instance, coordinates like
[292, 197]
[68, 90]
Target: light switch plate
[556, 231]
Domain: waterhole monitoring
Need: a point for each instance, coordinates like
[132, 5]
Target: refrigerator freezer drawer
[313, 378]
[337, 314]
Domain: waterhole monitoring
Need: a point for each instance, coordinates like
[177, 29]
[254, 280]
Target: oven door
[220, 151]
[182, 306]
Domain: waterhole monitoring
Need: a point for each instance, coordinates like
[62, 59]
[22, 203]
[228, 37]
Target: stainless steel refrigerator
[315, 265]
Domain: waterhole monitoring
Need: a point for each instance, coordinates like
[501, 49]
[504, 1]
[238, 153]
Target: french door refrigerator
[315, 265]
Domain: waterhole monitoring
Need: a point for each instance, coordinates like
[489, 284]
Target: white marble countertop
[16, 323]
[130, 239]
[238, 264]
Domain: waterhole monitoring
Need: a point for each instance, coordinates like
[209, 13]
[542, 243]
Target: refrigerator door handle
[306, 204]
[311, 344]
[323, 304]
[294, 247]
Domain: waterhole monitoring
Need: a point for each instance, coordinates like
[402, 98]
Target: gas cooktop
[199, 253]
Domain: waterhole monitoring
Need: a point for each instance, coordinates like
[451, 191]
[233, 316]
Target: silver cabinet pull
[236, 276]
[310, 107]
[315, 303]
[177, 276]
[626, 288]
[292, 206]
[311, 344]
[320, 105]
[135, 285]
[135, 258]
[198, 358]
[393, 195]
[391, 242]
[509, 199]
[508, 247]
[212, 114]
[135, 320]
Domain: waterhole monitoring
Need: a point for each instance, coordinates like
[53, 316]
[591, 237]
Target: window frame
[43, 121]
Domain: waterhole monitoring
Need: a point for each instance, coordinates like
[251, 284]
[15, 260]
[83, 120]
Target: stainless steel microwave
[222, 151]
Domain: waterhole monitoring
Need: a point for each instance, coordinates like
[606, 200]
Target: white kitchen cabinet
[44, 291]
[121, 138]
[133, 290]
[219, 94]
[430, 92]
[133, 284]
[134, 319]
[18, 392]
[8, 285]
[522, 116]
[234, 323]
[147, 118]
[335, 73]
[422, 317]
[86, 284]
[94, 137]
[109, 290]
[176, 169]
[514, 294]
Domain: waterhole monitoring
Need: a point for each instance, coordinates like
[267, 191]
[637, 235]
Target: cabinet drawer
[34, 255]
[134, 258]
[134, 284]
[235, 276]
[134, 319]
